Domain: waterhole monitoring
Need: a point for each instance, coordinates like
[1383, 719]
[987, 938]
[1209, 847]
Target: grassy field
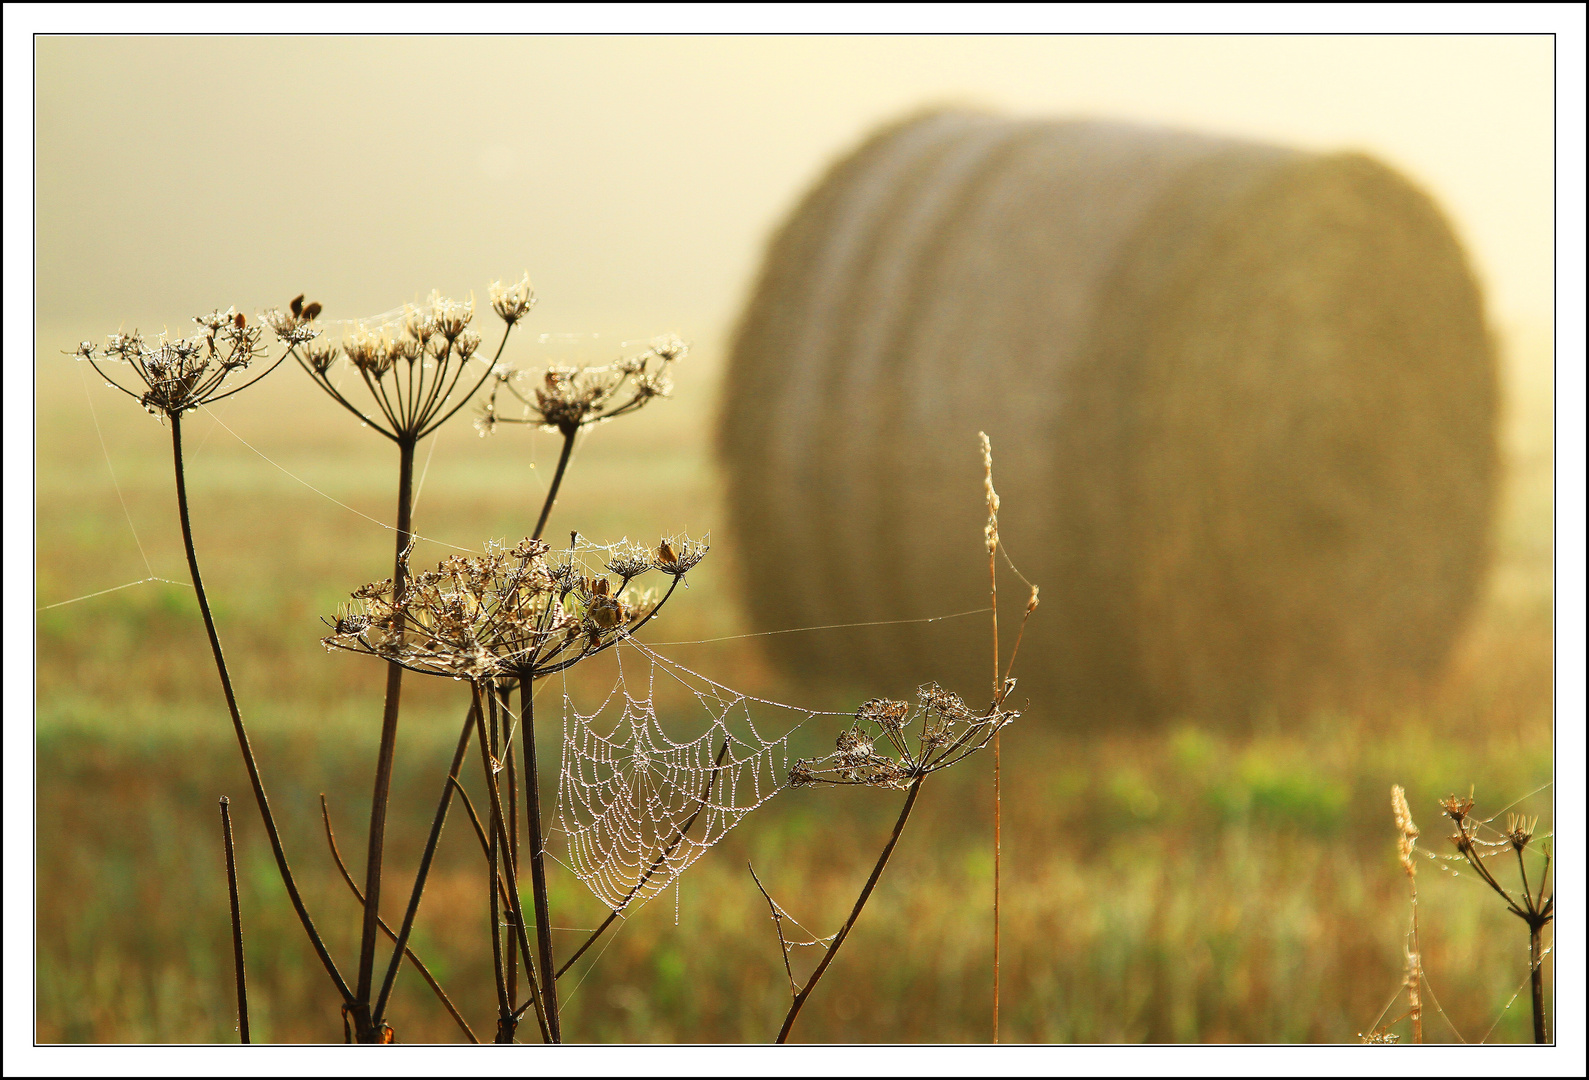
[1183, 884]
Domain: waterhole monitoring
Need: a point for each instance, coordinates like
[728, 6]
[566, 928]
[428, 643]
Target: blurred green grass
[1183, 884]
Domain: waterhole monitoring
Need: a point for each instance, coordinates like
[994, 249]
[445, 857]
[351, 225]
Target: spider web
[636, 805]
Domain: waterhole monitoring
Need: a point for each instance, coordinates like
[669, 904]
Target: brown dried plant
[411, 372]
[179, 376]
[941, 732]
[569, 399]
[499, 621]
[503, 620]
[1536, 907]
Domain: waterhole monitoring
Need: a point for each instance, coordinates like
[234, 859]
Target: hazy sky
[637, 178]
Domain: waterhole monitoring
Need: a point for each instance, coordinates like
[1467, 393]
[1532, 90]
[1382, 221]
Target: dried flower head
[452, 317]
[629, 560]
[877, 751]
[320, 357]
[1520, 830]
[512, 302]
[678, 555]
[292, 327]
[1407, 832]
[1457, 807]
[509, 612]
[181, 374]
[411, 365]
[566, 398]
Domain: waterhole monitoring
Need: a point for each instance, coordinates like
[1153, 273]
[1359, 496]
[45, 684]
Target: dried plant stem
[656, 864]
[507, 1023]
[1536, 911]
[860, 902]
[237, 722]
[402, 949]
[1537, 977]
[521, 939]
[405, 508]
[485, 843]
[499, 829]
[513, 849]
[237, 922]
[991, 532]
[366, 1027]
[557, 480]
[532, 807]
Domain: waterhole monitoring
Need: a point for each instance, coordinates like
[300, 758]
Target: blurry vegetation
[1180, 884]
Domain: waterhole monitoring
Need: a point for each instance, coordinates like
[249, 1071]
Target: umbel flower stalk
[941, 732]
[411, 375]
[1535, 907]
[180, 376]
[508, 616]
[569, 399]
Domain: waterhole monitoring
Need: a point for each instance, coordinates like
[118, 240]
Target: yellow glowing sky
[636, 178]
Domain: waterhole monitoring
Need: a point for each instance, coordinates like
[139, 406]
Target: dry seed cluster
[943, 729]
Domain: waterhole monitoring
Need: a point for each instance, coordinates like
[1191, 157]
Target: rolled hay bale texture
[1242, 403]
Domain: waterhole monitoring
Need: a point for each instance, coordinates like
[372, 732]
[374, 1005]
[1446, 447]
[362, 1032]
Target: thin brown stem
[992, 535]
[537, 838]
[855, 913]
[237, 922]
[557, 480]
[502, 891]
[480, 834]
[512, 853]
[237, 723]
[777, 921]
[367, 1028]
[506, 1021]
[547, 999]
[450, 413]
[402, 948]
[1536, 976]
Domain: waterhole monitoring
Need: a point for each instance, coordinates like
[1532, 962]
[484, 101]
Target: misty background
[636, 178]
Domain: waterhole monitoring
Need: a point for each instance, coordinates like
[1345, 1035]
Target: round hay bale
[1242, 403]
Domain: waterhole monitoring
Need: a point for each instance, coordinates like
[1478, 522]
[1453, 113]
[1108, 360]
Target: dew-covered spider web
[646, 788]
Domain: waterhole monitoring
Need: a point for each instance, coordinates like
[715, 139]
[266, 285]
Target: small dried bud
[451, 316]
[311, 311]
[679, 555]
[512, 302]
[670, 348]
[296, 307]
[886, 714]
[605, 611]
[629, 561]
[321, 357]
[1456, 807]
